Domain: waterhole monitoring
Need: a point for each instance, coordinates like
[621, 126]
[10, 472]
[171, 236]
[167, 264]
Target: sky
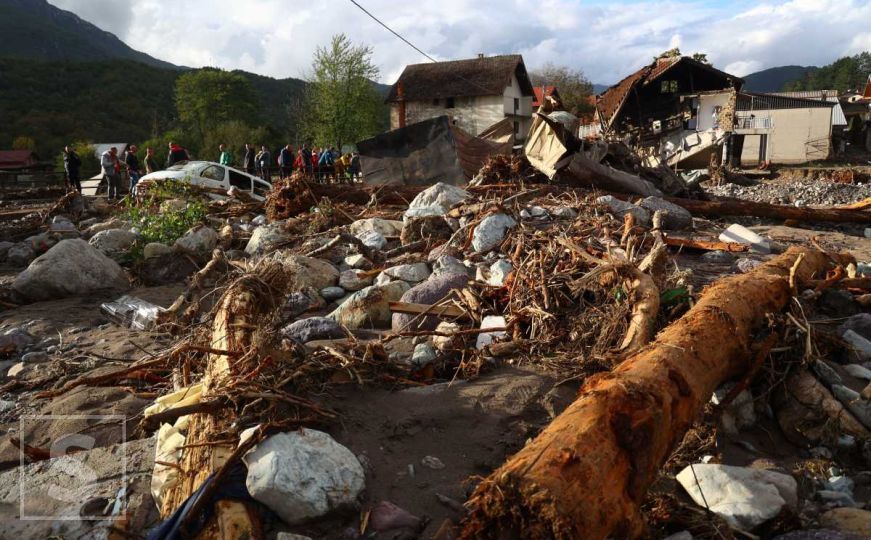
[605, 40]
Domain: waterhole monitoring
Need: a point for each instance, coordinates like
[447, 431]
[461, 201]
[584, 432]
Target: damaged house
[474, 93]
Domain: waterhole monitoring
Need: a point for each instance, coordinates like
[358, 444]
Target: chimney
[400, 94]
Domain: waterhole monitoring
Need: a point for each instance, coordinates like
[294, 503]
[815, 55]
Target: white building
[475, 93]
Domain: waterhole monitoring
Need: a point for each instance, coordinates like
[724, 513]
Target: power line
[392, 31]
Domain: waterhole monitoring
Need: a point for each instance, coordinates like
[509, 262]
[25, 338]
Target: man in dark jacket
[250, 162]
[285, 161]
[72, 164]
[131, 161]
[177, 154]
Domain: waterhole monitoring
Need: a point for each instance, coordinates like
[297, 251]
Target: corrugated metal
[821, 95]
[838, 117]
[759, 102]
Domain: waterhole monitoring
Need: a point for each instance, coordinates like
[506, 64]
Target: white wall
[797, 136]
[707, 104]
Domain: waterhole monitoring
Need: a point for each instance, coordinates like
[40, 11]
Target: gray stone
[268, 238]
[307, 272]
[20, 254]
[372, 239]
[838, 302]
[306, 330]
[113, 242]
[259, 220]
[621, 208]
[40, 243]
[303, 475]
[746, 265]
[71, 268]
[385, 227]
[155, 249]
[718, 257]
[332, 293]
[438, 198]
[18, 370]
[15, 340]
[854, 402]
[677, 217]
[683, 535]
[358, 261]
[369, 307]
[742, 235]
[412, 273]
[113, 223]
[428, 292]
[825, 373]
[739, 413]
[484, 339]
[499, 272]
[449, 265]
[491, 231]
[352, 280]
[35, 357]
[859, 372]
[744, 497]
[564, 212]
[859, 323]
[4, 249]
[423, 354]
[199, 241]
[291, 536]
[295, 304]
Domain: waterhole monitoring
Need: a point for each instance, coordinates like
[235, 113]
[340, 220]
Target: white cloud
[606, 40]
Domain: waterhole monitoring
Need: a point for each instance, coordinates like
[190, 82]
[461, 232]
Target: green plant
[164, 226]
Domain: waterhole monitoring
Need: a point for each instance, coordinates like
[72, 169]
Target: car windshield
[185, 166]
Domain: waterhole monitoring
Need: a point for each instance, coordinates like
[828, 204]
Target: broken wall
[798, 136]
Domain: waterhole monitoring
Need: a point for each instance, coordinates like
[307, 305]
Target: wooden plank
[706, 245]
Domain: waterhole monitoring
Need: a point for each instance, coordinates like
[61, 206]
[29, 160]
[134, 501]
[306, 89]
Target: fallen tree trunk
[587, 473]
[749, 208]
[583, 171]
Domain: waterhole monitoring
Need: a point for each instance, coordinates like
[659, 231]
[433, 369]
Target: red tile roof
[16, 158]
[538, 98]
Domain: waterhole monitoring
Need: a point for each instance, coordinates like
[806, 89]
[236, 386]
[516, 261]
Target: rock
[351, 280]
[358, 261]
[173, 205]
[677, 217]
[386, 516]
[309, 272]
[383, 279]
[295, 304]
[71, 268]
[739, 414]
[854, 402]
[291, 536]
[372, 239]
[859, 323]
[437, 198]
[425, 211]
[499, 271]
[486, 338]
[423, 354]
[410, 273]
[369, 307]
[564, 212]
[743, 235]
[4, 249]
[859, 372]
[113, 223]
[683, 535]
[63, 228]
[744, 497]
[332, 293]
[20, 254]
[432, 462]
[433, 228]
[491, 231]
[858, 344]
[449, 265]
[746, 265]
[199, 241]
[313, 328]
[718, 257]
[303, 475]
[442, 250]
[838, 303]
[849, 520]
[825, 373]
[15, 340]
[40, 243]
[621, 208]
[268, 238]
[35, 357]
[165, 269]
[155, 249]
[385, 227]
[428, 292]
[836, 498]
[113, 242]
[18, 369]
[447, 343]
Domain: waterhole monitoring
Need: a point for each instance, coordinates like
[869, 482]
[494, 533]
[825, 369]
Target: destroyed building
[475, 94]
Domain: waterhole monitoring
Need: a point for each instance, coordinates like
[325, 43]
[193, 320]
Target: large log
[587, 473]
[749, 208]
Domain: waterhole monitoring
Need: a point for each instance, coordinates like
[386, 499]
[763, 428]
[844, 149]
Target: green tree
[573, 87]
[23, 143]
[701, 57]
[234, 134]
[342, 104]
[847, 73]
[209, 97]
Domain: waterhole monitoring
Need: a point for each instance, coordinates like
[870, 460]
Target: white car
[208, 173]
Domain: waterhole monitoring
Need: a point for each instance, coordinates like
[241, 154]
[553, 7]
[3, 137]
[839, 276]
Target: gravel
[807, 193]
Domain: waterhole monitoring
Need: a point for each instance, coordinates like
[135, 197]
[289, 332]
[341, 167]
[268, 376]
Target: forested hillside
[847, 73]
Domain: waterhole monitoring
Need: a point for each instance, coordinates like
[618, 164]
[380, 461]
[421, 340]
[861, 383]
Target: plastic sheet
[132, 312]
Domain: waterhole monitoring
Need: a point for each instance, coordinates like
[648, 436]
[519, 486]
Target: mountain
[774, 79]
[599, 88]
[36, 30]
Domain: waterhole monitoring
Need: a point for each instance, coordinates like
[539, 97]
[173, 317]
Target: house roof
[831, 96]
[867, 93]
[483, 76]
[539, 95]
[611, 100]
[16, 158]
[750, 101]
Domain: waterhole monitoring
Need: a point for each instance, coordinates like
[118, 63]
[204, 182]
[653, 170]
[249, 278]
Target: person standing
[355, 168]
[111, 172]
[150, 162]
[177, 154]
[225, 158]
[264, 159]
[250, 161]
[305, 160]
[285, 161]
[131, 161]
[72, 164]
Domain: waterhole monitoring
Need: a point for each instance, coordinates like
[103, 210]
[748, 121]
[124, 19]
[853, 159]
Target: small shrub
[164, 227]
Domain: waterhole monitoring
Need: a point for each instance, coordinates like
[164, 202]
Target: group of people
[321, 164]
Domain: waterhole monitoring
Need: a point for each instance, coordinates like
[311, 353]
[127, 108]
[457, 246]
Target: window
[516, 127]
[213, 172]
[449, 103]
[669, 87]
[516, 104]
[240, 180]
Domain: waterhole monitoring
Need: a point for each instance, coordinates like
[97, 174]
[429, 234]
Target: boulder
[313, 328]
[449, 265]
[385, 227]
[4, 249]
[199, 241]
[428, 292]
[848, 520]
[113, 223]
[444, 249]
[491, 231]
[369, 307]
[71, 268]
[15, 340]
[309, 272]
[113, 242]
[303, 475]
[621, 208]
[40, 243]
[438, 198]
[165, 268]
[297, 303]
[20, 254]
[411, 273]
[352, 280]
[372, 239]
[332, 293]
[155, 249]
[268, 238]
[860, 324]
[677, 217]
[744, 497]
